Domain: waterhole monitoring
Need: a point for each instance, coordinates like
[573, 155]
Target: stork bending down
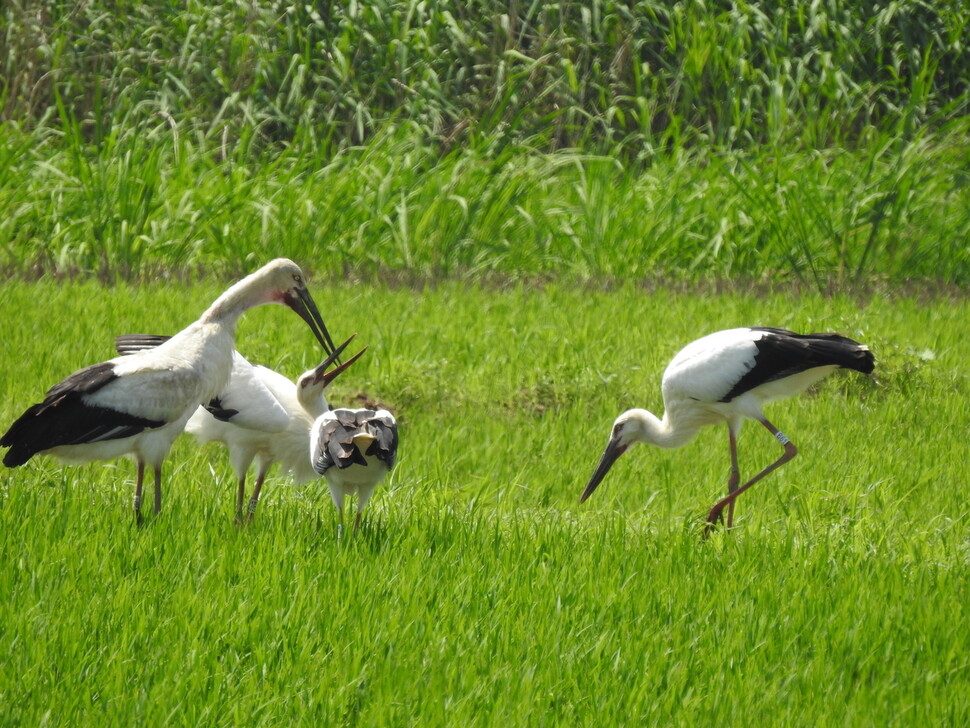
[727, 377]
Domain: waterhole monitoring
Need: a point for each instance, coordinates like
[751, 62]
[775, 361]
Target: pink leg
[138, 487]
[735, 476]
[790, 452]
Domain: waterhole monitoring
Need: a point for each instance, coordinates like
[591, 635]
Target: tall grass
[600, 75]
[150, 199]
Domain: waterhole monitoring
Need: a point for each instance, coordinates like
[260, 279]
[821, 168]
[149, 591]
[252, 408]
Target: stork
[353, 449]
[260, 415]
[727, 377]
[137, 405]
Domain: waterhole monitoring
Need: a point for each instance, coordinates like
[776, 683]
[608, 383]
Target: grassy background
[601, 75]
[696, 140]
[562, 194]
[891, 210]
[481, 593]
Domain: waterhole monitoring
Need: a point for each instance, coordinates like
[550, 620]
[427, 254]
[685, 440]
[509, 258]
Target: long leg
[260, 477]
[240, 497]
[735, 476]
[790, 452]
[138, 486]
[158, 489]
[364, 492]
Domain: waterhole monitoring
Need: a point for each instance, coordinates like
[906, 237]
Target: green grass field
[480, 592]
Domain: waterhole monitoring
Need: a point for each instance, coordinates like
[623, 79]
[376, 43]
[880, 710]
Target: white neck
[666, 433]
[238, 299]
[311, 398]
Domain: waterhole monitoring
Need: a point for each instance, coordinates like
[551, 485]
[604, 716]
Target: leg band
[780, 436]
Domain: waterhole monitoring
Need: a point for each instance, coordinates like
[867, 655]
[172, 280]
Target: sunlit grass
[891, 210]
[480, 592]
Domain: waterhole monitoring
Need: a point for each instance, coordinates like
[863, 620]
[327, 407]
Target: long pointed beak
[322, 375]
[613, 451]
[303, 304]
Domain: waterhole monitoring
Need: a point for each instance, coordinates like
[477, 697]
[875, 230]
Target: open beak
[322, 375]
[303, 304]
[613, 450]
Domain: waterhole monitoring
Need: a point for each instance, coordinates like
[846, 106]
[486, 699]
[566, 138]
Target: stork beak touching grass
[614, 448]
[138, 404]
[727, 377]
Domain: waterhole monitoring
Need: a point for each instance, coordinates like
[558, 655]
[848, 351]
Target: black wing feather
[782, 353]
[337, 446]
[130, 343]
[63, 418]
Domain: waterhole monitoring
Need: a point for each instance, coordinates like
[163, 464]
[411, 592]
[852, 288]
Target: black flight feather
[130, 343]
[63, 418]
[782, 353]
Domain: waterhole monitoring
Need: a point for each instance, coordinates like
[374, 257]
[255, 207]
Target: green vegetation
[892, 210]
[525, 209]
[693, 140]
[481, 593]
[601, 75]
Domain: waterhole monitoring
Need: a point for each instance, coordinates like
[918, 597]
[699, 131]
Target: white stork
[726, 377]
[353, 449]
[260, 415]
[137, 405]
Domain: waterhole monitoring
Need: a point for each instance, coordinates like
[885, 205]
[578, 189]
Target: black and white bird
[137, 405]
[259, 415]
[727, 377]
[353, 449]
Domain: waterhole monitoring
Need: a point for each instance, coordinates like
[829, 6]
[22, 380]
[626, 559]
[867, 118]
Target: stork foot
[713, 518]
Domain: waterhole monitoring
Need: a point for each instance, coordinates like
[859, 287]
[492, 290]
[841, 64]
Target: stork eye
[297, 279]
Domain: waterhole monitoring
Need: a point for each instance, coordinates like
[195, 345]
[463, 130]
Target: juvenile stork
[137, 405]
[727, 377]
[260, 415]
[353, 449]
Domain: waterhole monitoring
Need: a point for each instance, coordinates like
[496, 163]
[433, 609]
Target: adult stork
[353, 449]
[727, 377]
[259, 415]
[137, 405]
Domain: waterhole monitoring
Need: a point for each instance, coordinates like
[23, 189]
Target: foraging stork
[260, 415]
[137, 405]
[353, 449]
[726, 377]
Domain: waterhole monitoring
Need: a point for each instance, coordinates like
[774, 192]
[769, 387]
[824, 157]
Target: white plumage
[137, 405]
[727, 377]
[353, 449]
[260, 415]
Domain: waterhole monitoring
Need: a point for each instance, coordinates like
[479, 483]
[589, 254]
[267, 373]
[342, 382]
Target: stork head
[310, 386]
[627, 429]
[279, 281]
[288, 286]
